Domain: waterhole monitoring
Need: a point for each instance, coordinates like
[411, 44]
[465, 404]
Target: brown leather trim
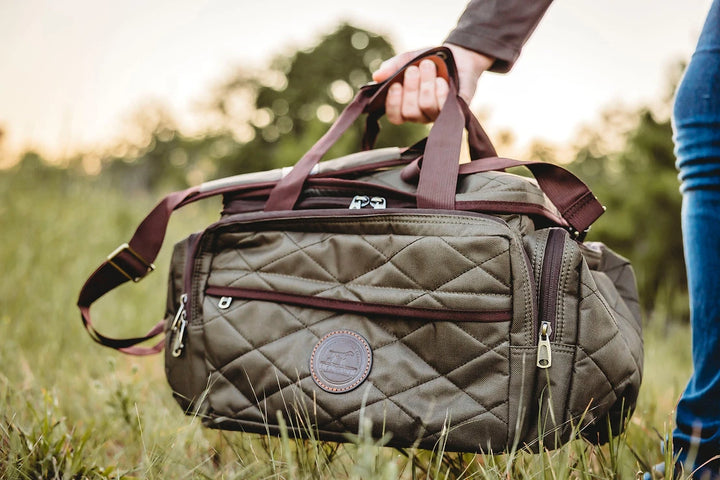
[365, 308]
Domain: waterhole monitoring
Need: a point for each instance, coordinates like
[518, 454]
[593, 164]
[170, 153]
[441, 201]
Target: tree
[638, 184]
[279, 113]
[263, 119]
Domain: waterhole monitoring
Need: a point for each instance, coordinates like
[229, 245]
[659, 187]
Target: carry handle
[478, 141]
[577, 205]
[442, 150]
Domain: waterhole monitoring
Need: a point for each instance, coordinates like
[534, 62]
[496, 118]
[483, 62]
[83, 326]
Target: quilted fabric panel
[443, 272]
[424, 373]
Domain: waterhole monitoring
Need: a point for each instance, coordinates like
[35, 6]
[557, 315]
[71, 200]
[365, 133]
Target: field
[70, 409]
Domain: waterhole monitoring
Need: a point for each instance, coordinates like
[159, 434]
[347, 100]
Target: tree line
[267, 118]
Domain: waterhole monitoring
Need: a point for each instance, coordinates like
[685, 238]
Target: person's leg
[697, 140]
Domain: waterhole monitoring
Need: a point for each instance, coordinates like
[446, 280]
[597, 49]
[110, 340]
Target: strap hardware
[112, 259]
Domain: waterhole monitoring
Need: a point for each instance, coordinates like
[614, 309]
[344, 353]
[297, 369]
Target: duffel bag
[434, 300]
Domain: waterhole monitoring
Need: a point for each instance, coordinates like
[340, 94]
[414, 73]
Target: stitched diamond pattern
[432, 272]
[408, 374]
[422, 371]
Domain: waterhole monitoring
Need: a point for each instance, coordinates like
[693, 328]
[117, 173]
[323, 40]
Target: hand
[422, 93]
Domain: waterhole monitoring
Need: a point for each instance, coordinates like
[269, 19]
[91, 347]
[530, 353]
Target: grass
[70, 409]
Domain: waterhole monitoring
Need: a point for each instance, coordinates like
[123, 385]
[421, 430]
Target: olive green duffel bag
[443, 302]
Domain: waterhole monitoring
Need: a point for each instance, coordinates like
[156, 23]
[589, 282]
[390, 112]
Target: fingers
[427, 104]
[393, 104]
[442, 89]
[412, 88]
[420, 96]
[392, 65]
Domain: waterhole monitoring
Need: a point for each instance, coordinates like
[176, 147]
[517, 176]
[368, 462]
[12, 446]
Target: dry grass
[70, 409]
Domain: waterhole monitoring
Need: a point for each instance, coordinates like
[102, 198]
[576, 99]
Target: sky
[73, 73]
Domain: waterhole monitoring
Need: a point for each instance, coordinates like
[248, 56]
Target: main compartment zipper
[549, 285]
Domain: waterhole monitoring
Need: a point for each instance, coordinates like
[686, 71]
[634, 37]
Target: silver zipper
[378, 203]
[363, 201]
[544, 353]
[177, 328]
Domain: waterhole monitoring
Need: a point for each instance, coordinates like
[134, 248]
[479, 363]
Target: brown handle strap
[287, 192]
[441, 159]
[371, 100]
[573, 199]
[133, 261]
[478, 141]
[577, 205]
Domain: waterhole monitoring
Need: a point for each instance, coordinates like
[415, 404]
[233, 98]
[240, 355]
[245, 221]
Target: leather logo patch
[340, 361]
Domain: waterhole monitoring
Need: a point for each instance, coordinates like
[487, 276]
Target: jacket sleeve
[498, 28]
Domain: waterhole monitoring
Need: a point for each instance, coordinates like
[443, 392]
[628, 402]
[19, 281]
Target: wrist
[470, 65]
[475, 62]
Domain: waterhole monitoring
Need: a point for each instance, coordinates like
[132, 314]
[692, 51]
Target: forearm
[498, 28]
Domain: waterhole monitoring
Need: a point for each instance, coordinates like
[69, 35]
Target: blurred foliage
[263, 119]
[638, 184]
[627, 159]
[294, 101]
[269, 117]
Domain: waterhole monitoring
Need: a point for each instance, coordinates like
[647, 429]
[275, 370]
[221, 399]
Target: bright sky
[73, 72]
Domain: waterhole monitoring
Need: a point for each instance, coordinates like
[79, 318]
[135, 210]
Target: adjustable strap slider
[130, 263]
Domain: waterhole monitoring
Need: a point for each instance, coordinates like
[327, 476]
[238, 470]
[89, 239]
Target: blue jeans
[696, 119]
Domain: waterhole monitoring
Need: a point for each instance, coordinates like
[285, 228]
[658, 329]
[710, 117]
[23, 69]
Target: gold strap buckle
[112, 260]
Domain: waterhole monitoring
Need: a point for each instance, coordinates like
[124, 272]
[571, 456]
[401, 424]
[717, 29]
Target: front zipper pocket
[548, 295]
[227, 295]
[361, 308]
[436, 262]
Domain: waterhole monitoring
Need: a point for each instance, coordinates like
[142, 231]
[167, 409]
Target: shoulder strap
[133, 261]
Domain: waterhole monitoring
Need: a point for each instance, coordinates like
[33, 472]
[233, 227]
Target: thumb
[392, 65]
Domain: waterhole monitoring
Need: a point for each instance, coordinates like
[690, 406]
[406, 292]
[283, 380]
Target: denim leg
[698, 413]
[697, 143]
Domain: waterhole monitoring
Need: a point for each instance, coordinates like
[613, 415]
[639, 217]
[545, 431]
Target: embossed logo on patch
[340, 361]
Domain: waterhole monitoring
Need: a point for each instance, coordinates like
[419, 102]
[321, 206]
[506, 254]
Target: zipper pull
[225, 303]
[359, 201]
[544, 354]
[362, 201]
[181, 310]
[177, 328]
[378, 203]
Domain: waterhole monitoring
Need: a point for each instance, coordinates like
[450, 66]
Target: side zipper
[177, 328]
[549, 285]
[180, 322]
